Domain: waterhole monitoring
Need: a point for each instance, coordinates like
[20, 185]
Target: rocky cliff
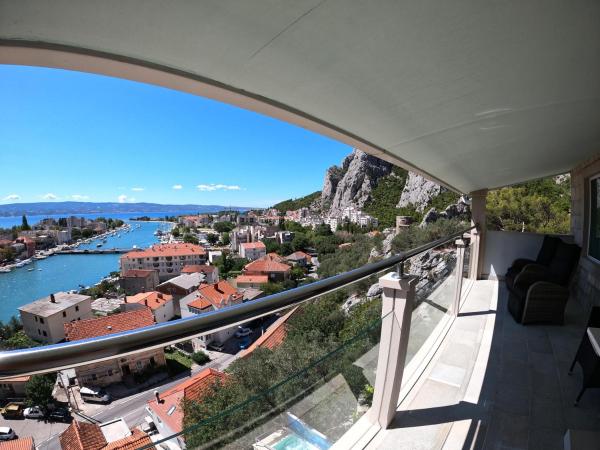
[418, 192]
[352, 183]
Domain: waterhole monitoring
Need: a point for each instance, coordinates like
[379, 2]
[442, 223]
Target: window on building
[44, 333]
[76, 307]
[594, 215]
[171, 410]
[94, 377]
[64, 314]
[41, 320]
[35, 317]
[39, 332]
[110, 372]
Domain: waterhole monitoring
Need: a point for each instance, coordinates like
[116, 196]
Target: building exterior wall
[12, 389]
[108, 372]
[586, 285]
[252, 254]
[135, 285]
[167, 266]
[53, 326]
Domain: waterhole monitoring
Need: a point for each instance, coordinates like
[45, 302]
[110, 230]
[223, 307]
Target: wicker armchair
[540, 293]
[544, 258]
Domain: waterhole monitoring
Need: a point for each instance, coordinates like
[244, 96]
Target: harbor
[71, 267]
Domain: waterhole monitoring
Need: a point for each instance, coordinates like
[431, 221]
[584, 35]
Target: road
[132, 409]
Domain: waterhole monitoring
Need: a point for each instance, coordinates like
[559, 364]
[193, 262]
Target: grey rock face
[352, 183]
[429, 217]
[418, 191]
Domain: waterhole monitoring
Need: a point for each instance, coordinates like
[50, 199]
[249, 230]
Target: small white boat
[31, 269]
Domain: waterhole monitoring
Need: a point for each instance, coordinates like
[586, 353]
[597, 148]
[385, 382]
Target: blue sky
[74, 136]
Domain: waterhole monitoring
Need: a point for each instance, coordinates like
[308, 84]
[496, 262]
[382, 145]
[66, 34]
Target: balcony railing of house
[349, 387]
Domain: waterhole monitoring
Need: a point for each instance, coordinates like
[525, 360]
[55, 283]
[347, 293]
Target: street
[132, 409]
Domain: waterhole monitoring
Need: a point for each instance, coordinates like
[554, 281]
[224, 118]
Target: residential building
[112, 435]
[251, 293]
[270, 266]
[13, 387]
[253, 250]
[183, 284]
[211, 297]
[134, 281]
[44, 319]
[113, 371]
[167, 259]
[251, 281]
[214, 256]
[299, 258]
[167, 410]
[161, 305]
[210, 272]
[103, 306]
[75, 222]
[24, 443]
[284, 236]
[29, 243]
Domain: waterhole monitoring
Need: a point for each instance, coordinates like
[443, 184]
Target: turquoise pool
[294, 442]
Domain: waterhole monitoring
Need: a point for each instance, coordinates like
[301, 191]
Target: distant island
[72, 208]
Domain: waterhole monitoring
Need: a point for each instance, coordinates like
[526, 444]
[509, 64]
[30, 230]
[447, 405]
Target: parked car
[91, 394]
[60, 415]
[244, 343]
[148, 426]
[7, 433]
[217, 346]
[243, 332]
[13, 410]
[33, 412]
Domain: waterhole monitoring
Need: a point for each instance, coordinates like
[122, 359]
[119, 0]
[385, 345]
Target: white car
[243, 332]
[7, 433]
[34, 412]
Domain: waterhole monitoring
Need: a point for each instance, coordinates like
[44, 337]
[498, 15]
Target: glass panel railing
[304, 392]
[435, 292]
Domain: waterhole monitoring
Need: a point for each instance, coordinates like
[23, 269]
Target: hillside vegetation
[296, 203]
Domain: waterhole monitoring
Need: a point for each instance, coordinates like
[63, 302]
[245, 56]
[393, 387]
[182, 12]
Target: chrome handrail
[66, 355]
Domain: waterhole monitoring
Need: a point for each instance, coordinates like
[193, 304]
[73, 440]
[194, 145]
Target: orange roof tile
[82, 436]
[193, 389]
[152, 300]
[249, 245]
[139, 273]
[25, 443]
[89, 328]
[166, 250]
[137, 440]
[218, 294]
[261, 279]
[200, 303]
[23, 379]
[299, 255]
[264, 266]
[273, 337]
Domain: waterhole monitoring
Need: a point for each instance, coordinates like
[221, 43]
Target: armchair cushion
[564, 262]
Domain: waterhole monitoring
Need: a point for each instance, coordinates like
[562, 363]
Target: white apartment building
[44, 319]
[167, 259]
[253, 250]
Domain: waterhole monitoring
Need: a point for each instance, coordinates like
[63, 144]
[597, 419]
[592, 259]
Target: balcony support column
[460, 265]
[397, 305]
[478, 204]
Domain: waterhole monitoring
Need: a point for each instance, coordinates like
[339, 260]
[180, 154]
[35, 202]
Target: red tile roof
[219, 294]
[193, 389]
[166, 250]
[193, 268]
[249, 245]
[82, 436]
[25, 443]
[299, 255]
[23, 379]
[261, 279]
[89, 328]
[152, 300]
[273, 337]
[138, 439]
[264, 266]
[139, 273]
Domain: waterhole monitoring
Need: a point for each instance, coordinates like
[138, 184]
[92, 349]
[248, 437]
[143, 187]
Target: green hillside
[296, 203]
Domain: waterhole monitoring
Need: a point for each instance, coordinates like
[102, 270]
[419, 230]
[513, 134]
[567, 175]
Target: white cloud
[12, 197]
[216, 187]
[177, 187]
[49, 196]
[124, 199]
[79, 197]
[137, 189]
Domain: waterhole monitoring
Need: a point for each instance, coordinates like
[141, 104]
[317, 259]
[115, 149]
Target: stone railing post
[397, 305]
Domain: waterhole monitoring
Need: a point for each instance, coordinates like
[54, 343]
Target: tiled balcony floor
[495, 384]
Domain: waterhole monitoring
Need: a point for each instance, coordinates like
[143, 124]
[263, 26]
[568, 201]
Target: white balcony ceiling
[473, 93]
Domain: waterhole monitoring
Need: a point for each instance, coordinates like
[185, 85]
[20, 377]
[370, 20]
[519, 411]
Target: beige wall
[586, 286]
[54, 325]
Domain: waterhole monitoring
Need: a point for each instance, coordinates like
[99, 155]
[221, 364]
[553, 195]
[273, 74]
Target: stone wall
[586, 284]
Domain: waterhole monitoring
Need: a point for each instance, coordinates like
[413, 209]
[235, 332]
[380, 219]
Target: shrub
[200, 358]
